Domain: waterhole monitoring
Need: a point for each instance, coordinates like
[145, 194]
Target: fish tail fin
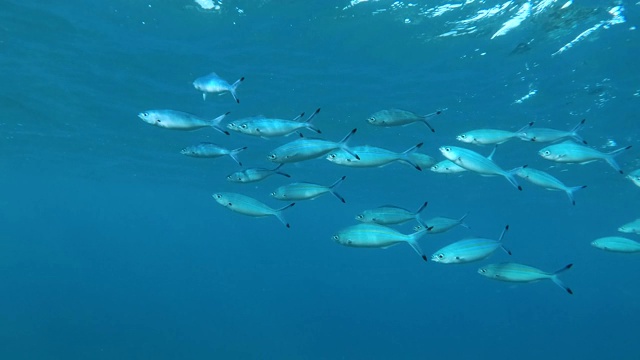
[343, 144]
[278, 214]
[422, 207]
[493, 152]
[276, 171]
[504, 231]
[509, 175]
[405, 156]
[573, 189]
[298, 117]
[234, 154]
[530, 124]
[425, 117]
[574, 132]
[461, 220]
[611, 161]
[412, 241]
[334, 185]
[215, 123]
[309, 125]
[233, 88]
[554, 277]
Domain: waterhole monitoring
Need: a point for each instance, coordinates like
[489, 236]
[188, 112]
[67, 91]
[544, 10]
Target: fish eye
[335, 237]
[440, 256]
[371, 119]
[145, 114]
[273, 193]
[218, 196]
[447, 149]
[244, 126]
[547, 152]
[360, 217]
[462, 136]
[482, 271]
[434, 167]
[272, 156]
[332, 156]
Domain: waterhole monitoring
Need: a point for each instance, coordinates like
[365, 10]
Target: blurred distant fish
[378, 236]
[449, 167]
[513, 272]
[306, 191]
[249, 206]
[616, 244]
[424, 161]
[469, 250]
[397, 117]
[634, 176]
[307, 148]
[371, 156]
[214, 84]
[490, 136]
[390, 215]
[548, 181]
[551, 135]
[443, 224]
[178, 120]
[570, 152]
[631, 227]
[268, 128]
[211, 150]
[255, 174]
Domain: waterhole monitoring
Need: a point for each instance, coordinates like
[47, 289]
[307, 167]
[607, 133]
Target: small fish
[449, 167]
[371, 156]
[634, 176]
[490, 136]
[547, 181]
[397, 117]
[513, 272]
[178, 120]
[443, 224]
[469, 250]
[617, 244]
[631, 228]
[249, 206]
[211, 150]
[378, 236]
[268, 128]
[306, 149]
[473, 161]
[306, 191]
[255, 174]
[390, 215]
[214, 84]
[550, 135]
[424, 161]
[570, 152]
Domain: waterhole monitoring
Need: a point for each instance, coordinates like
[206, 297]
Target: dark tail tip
[288, 226]
[242, 78]
[570, 291]
[418, 168]
[226, 132]
[424, 257]
[519, 187]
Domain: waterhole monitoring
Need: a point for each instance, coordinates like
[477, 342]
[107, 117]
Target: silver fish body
[469, 250]
[306, 149]
[377, 236]
[249, 206]
[398, 117]
[268, 128]
[634, 176]
[371, 156]
[441, 224]
[489, 136]
[179, 120]
[447, 167]
[211, 150]
[547, 181]
[214, 84]
[424, 161]
[255, 174]
[632, 227]
[571, 152]
[306, 191]
[542, 135]
[390, 215]
[519, 273]
[616, 244]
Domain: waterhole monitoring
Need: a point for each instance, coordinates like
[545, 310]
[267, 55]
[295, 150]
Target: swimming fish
[443, 224]
[469, 250]
[551, 135]
[473, 161]
[424, 161]
[255, 174]
[211, 150]
[178, 120]
[631, 227]
[397, 117]
[634, 176]
[214, 84]
[268, 128]
[513, 272]
[490, 136]
[378, 236]
[306, 191]
[371, 156]
[449, 167]
[616, 244]
[306, 149]
[249, 206]
[390, 215]
[547, 181]
[570, 152]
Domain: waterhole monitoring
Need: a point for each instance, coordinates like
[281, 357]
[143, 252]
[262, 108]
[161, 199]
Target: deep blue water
[112, 247]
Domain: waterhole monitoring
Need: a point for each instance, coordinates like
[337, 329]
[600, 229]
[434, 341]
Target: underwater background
[113, 248]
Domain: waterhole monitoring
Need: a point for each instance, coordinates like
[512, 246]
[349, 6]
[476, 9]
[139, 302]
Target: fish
[571, 152]
[490, 136]
[211, 150]
[519, 273]
[424, 161]
[634, 176]
[306, 149]
[475, 162]
[398, 117]
[178, 120]
[551, 135]
[268, 128]
[443, 224]
[449, 167]
[469, 250]
[306, 191]
[631, 227]
[616, 244]
[255, 174]
[547, 181]
[378, 236]
[390, 215]
[249, 206]
[214, 84]
[371, 156]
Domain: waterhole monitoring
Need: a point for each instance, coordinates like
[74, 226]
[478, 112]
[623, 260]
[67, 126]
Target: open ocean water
[113, 248]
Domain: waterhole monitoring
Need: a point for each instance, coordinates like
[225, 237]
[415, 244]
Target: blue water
[112, 247]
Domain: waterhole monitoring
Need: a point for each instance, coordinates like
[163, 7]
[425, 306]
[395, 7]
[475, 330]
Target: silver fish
[390, 215]
[178, 120]
[268, 128]
[397, 117]
[547, 181]
[570, 152]
[211, 150]
[490, 136]
[513, 272]
[214, 84]
[443, 224]
[249, 206]
[616, 244]
[306, 191]
[551, 135]
[255, 174]
[469, 250]
[634, 176]
[424, 161]
[475, 162]
[306, 149]
[377, 236]
[371, 156]
[631, 227]
[449, 167]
